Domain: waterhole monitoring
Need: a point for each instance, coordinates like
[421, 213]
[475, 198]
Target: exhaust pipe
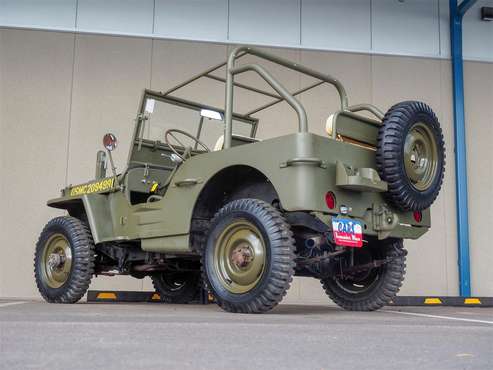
[314, 241]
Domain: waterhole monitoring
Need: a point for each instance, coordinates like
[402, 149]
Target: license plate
[347, 232]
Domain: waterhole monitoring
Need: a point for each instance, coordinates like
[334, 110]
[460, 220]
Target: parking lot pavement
[159, 336]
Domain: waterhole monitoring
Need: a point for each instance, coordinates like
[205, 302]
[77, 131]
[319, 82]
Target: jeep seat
[352, 129]
[329, 125]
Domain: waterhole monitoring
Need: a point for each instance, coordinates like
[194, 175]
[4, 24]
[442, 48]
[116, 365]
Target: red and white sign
[347, 232]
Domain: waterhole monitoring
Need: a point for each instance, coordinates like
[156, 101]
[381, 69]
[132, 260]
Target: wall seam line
[227, 20]
[301, 21]
[76, 14]
[153, 19]
[70, 108]
[371, 26]
[439, 31]
[151, 64]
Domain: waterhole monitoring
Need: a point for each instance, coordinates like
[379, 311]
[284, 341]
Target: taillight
[418, 216]
[330, 200]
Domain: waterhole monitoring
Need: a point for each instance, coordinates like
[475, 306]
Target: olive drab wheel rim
[240, 256]
[56, 262]
[421, 156]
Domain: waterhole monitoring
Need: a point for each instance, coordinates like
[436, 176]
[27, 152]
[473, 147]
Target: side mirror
[109, 142]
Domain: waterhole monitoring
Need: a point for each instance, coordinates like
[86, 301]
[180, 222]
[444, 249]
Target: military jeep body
[243, 216]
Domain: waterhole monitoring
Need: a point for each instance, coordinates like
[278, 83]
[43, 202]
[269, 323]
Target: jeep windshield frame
[187, 104]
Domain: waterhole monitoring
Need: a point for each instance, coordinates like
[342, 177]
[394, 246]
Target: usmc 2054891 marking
[92, 187]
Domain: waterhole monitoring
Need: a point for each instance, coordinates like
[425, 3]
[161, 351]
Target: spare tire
[411, 155]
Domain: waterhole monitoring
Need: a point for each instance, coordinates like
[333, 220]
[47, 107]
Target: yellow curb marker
[433, 301]
[156, 297]
[472, 301]
[106, 296]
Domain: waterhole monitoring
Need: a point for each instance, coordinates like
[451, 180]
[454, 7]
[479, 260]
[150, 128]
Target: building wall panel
[195, 19]
[35, 108]
[478, 86]
[405, 27]
[477, 35]
[268, 22]
[122, 16]
[410, 28]
[2, 159]
[336, 24]
[52, 14]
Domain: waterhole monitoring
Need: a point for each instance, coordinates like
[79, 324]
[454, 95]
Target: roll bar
[282, 94]
[232, 70]
[368, 107]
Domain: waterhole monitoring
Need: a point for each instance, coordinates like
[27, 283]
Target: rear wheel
[64, 260]
[177, 287]
[369, 288]
[249, 257]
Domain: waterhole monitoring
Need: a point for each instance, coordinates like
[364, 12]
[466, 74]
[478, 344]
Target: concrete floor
[157, 336]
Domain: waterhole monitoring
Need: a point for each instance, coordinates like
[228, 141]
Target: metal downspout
[456, 14]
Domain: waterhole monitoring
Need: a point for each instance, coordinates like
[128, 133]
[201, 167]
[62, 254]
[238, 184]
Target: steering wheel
[170, 133]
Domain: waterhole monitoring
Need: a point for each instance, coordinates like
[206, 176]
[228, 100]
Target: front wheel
[249, 257]
[64, 260]
[363, 288]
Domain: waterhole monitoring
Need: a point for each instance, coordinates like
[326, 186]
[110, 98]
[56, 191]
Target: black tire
[399, 121]
[377, 288]
[177, 287]
[81, 247]
[278, 260]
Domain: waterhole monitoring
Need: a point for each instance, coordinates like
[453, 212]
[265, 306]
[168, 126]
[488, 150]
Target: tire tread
[83, 257]
[282, 258]
[393, 277]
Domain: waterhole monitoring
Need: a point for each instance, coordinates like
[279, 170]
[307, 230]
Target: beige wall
[2, 217]
[59, 93]
[479, 105]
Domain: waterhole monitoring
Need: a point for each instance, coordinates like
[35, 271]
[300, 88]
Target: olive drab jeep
[203, 202]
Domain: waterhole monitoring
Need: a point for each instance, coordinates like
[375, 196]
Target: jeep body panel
[301, 167]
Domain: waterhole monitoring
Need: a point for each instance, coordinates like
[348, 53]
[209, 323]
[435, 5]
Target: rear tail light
[330, 200]
[418, 216]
